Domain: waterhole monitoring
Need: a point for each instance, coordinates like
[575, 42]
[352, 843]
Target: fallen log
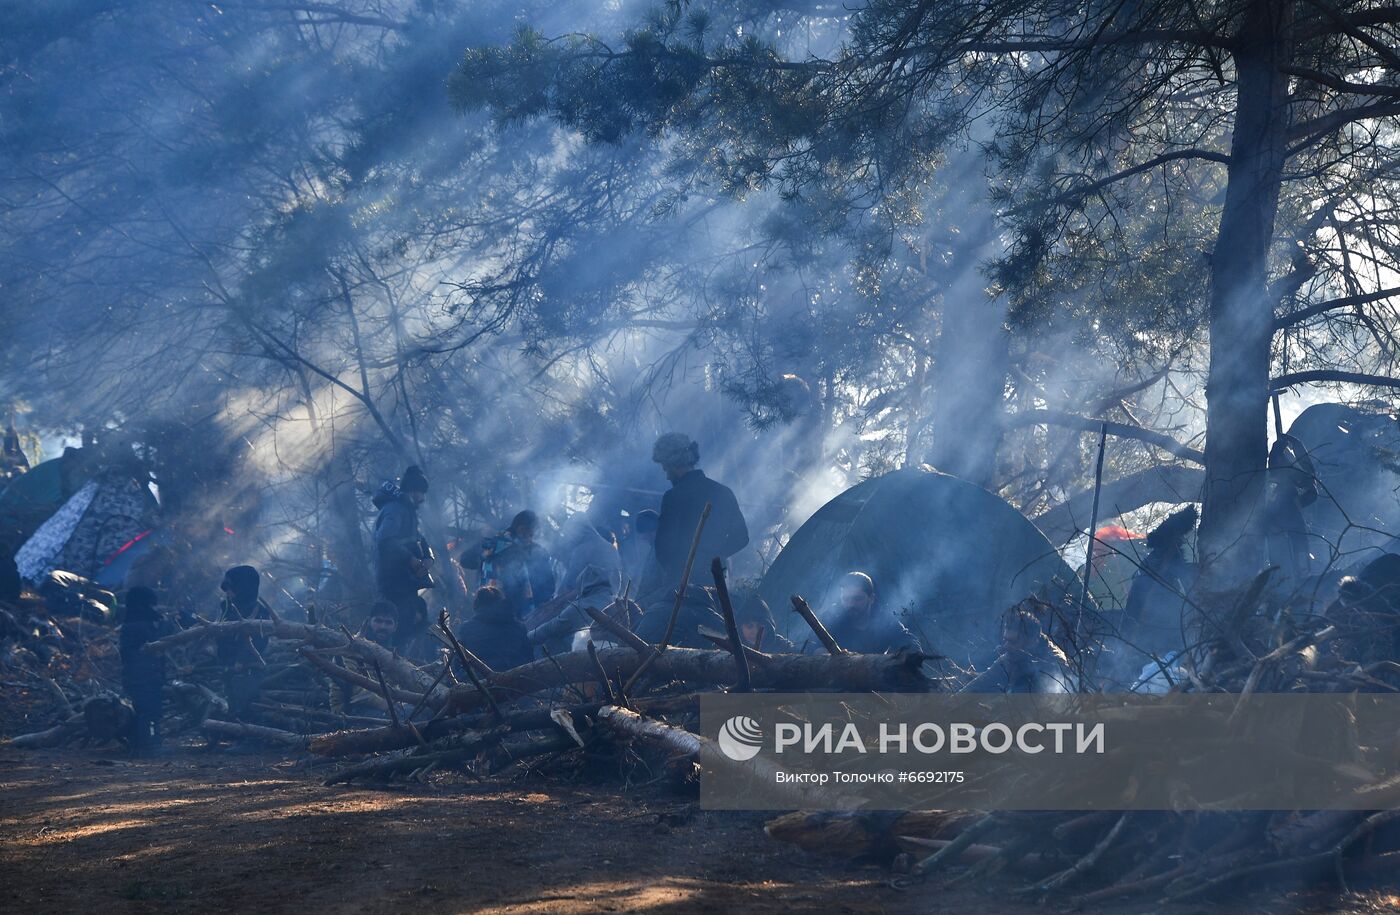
[1085, 863]
[349, 676]
[947, 854]
[256, 733]
[55, 736]
[316, 635]
[381, 739]
[678, 743]
[395, 667]
[330, 718]
[703, 667]
[432, 754]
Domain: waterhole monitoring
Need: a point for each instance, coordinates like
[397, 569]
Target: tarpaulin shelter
[92, 525]
[1356, 457]
[951, 555]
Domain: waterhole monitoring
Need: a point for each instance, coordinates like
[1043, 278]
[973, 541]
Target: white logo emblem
[741, 738]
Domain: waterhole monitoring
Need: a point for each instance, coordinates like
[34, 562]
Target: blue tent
[114, 567]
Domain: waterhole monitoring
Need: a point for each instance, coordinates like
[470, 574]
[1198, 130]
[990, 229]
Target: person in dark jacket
[1366, 613]
[1027, 660]
[860, 624]
[725, 533]
[515, 562]
[756, 625]
[1153, 623]
[10, 582]
[697, 609]
[242, 655]
[143, 674]
[1291, 486]
[493, 633]
[401, 562]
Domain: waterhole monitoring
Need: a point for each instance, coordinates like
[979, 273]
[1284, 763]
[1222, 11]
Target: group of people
[240, 657]
[531, 600]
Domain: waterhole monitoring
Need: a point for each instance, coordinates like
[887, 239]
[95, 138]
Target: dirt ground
[198, 831]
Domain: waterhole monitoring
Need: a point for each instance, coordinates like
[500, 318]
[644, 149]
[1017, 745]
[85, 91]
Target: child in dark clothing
[143, 674]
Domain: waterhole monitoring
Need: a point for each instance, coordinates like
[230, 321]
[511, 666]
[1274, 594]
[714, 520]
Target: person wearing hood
[241, 656]
[726, 532]
[143, 673]
[402, 562]
[592, 569]
[493, 633]
[756, 625]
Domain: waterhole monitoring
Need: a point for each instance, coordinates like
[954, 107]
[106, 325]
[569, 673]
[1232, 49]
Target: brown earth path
[88, 831]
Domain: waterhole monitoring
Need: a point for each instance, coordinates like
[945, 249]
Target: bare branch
[1089, 424]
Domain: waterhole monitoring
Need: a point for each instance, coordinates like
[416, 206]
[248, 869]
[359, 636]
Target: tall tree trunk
[349, 551]
[1241, 313]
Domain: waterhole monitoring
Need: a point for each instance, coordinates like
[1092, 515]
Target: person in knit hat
[726, 532]
[402, 562]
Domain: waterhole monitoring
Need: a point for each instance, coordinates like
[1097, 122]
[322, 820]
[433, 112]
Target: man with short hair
[380, 627]
[1027, 661]
[860, 624]
[401, 561]
[382, 624]
[725, 532]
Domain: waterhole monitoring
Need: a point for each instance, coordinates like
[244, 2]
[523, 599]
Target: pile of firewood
[457, 712]
[1163, 856]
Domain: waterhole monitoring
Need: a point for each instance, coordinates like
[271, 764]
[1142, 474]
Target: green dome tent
[950, 555]
[32, 497]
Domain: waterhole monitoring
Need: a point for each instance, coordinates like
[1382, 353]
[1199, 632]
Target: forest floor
[86, 830]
